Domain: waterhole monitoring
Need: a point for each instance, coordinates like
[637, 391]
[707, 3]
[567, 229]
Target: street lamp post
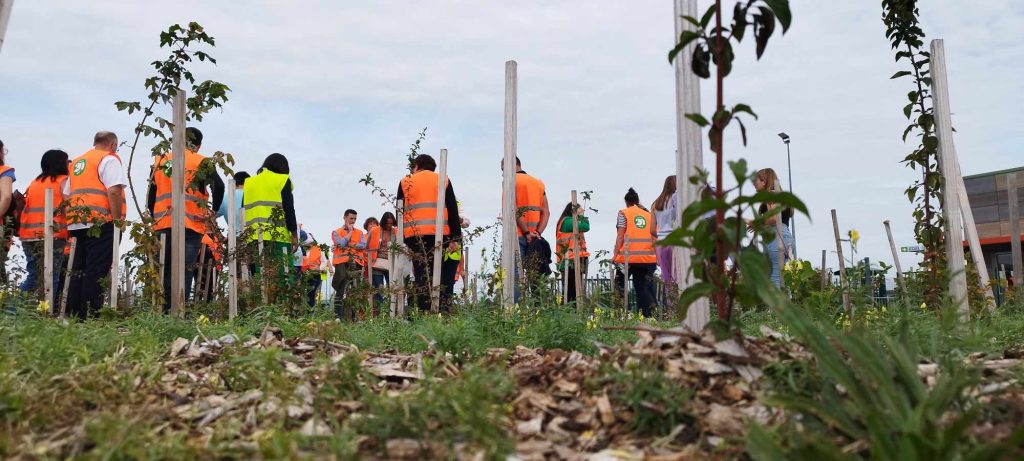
[789, 171]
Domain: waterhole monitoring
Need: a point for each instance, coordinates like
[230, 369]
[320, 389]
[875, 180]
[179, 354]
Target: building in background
[989, 201]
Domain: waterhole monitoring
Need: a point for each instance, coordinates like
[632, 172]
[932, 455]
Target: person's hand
[453, 247]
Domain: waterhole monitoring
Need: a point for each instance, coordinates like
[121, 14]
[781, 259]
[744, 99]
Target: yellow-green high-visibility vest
[261, 195]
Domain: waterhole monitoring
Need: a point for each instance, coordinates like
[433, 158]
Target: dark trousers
[422, 249]
[313, 283]
[345, 274]
[571, 295]
[193, 242]
[34, 259]
[643, 285]
[380, 281]
[94, 255]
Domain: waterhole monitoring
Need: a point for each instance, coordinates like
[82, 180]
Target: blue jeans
[772, 248]
[380, 279]
[34, 265]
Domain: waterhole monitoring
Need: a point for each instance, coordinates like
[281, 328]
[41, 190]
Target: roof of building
[994, 173]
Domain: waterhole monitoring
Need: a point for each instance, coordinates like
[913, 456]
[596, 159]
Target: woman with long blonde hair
[665, 214]
[767, 180]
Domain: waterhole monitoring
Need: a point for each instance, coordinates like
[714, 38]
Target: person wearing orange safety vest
[418, 190]
[8, 210]
[532, 215]
[313, 265]
[566, 247]
[633, 222]
[200, 174]
[32, 230]
[348, 260]
[94, 193]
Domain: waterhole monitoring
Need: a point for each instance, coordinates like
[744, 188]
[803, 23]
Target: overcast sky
[342, 88]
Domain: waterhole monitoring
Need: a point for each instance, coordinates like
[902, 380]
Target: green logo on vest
[640, 222]
[79, 167]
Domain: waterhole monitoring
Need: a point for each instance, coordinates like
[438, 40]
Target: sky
[343, 87]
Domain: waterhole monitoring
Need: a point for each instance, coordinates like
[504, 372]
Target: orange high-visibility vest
[312, 260]
[197, 202]
[372, 243]
[529, 200]
[420, 192]
[566, 245]
[350, 252]
[213, 246]
[641, 244]
[88, 199]
[33, 219]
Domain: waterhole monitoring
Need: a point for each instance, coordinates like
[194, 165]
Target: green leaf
[684, 39]
[782, 12]
[698, 119]
[907, 132]
[739, 21]
[706, 19]
[899, 74]
[739, 170]
[908, 109]
[912, 96]
[764, 26]
[744, 108]
[694, 292]
[701, 62]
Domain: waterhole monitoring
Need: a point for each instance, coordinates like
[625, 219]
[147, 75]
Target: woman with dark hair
[270, 190]
[7, 179]
[32, 231]
[634, 244]
[665, 213]
[378, 242]
[566, 248]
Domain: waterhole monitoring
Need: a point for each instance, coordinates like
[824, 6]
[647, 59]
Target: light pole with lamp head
[789, 171]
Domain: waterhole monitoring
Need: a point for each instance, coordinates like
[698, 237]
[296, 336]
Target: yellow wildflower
[203, 320]
[44, 307]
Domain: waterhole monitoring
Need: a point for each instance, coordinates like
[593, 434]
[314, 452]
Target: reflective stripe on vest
[33, 218]
[419, 191]
[88, 200]
[261, 196]
[529, 200]
[197, 202]
[349, 253]
[641, 244]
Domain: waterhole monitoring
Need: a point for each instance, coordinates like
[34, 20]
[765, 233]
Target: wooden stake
[115, 268]
[565, 279]
[689, 155]
[895, 255]
[509, 237]
[398, 283]
[178, 206]
[842, 266]
[951, 207]
[1015, 252]
[442, 183]
[232, 258]
[625, 273]
[971, 231]
[262, 263]
[824, 272]
[200, 274]
[578, 247]
[67, 277]
[48, 248]
[5, 17]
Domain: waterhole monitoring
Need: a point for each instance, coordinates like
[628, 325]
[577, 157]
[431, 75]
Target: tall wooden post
[442, 183]
[625, 273]
[198, 284]
[971, 234]
[232, 258]
[5, 18]
[509, 237]
[67, 276]
[178, 206]
[824, 272]
[842, 265]
[578, 247]
[48, 248]
[689, 156]
[895, 255]
[115, 267]
[951, 207]
[1015, 253]
[398, 283]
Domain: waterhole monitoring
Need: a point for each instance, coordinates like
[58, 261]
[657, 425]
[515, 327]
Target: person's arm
[6, 193]
[654, 225]
[401, 194]
[151, 197]
[452, 205]
[545, 215]
[340, 241]
[584, 225]
[60, 208]
[288, 204]
[218, 190]
[361, 244]
[620, 232]
[115, 195]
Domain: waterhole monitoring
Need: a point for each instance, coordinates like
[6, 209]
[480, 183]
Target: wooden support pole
[232, 258]
[1015, 252]
[577, 245]
[824, 272]
[625, 274]
[465, 270]
[115, 267]
[262, 264]
[369, 283]
[971, 234]
[200, 273]
[951, 207]
[509, 236]
[398, 283]
[67, 276]
[177, 242]
[565, 279]
[842, 265]
[5, 18]
[895, 255]
[435, 280]
[689, 155]
[48, 248]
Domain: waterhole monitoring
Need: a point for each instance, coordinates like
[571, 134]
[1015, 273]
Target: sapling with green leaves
[726, 237]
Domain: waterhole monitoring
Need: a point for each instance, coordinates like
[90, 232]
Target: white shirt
[111, 175]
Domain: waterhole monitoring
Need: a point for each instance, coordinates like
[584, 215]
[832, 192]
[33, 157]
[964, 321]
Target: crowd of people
[89, 204]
